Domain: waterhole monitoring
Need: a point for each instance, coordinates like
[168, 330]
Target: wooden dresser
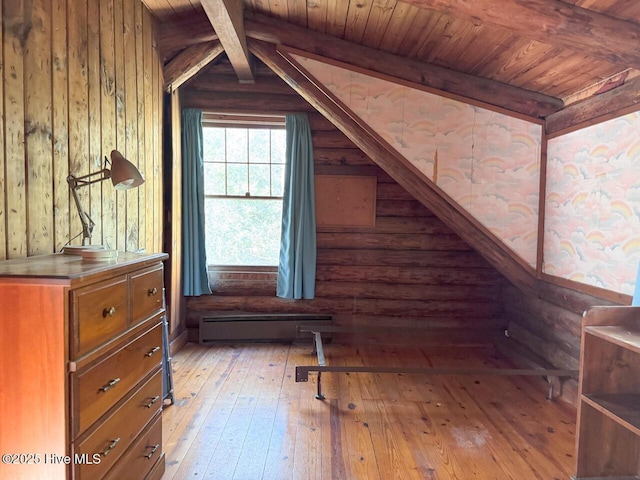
[81, 367]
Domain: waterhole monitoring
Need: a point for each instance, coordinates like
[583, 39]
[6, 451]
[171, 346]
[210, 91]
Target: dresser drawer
[146, 293]
[100, 313]
[99, 387]
[143, 454]
[118, 431]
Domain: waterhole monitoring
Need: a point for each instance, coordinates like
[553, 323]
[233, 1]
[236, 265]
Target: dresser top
[74, 267]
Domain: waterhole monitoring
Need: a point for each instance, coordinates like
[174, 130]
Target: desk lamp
[123, 174]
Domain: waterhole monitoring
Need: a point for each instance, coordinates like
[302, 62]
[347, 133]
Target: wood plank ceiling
[566, 50]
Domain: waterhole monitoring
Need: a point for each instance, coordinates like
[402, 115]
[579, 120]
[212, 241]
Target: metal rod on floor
[319, 395]
[302, 371]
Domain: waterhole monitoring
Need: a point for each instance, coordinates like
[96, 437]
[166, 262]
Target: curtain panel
[297, 265]
[194, 257]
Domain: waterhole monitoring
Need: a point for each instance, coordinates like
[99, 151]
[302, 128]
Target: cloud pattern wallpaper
[592, 218]
[487, 162]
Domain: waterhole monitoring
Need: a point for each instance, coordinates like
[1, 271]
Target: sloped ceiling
[551, 52]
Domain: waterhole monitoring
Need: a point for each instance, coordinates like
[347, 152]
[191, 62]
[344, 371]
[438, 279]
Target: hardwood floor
[239, 414]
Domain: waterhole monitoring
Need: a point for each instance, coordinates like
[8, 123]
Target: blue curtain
[297, 267]
[194, 257]
[635, 300]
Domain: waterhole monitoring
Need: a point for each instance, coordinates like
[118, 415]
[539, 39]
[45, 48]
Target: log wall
[408, 270]
[78, 78]
[550, 324]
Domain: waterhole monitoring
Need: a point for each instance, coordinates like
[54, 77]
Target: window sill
[218, 274]
[213, 269]
[243, 280]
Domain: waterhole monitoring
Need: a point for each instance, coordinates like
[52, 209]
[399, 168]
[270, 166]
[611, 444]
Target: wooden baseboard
[179, 342]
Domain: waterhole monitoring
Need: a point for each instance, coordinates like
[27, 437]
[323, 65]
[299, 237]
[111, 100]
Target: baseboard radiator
[274, 327]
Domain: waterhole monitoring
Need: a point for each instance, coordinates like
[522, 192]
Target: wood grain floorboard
[239, 415]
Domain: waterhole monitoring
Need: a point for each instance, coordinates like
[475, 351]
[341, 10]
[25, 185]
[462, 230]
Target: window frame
[252, 121]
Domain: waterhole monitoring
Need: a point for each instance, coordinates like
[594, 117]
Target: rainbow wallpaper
[592, 218]
[487, 162]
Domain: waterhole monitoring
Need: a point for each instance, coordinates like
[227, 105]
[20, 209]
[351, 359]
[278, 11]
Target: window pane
[277, 180]
[259, 180]
[213, 144]
[243, 231]
[278, 146]
[237, 182]
[237, 139]
[214, 179]
[259, 146]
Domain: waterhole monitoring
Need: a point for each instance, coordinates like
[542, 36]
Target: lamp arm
[84, 180]
[87, 222]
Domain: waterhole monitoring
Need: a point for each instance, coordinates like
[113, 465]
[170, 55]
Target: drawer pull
[153, 400]
[110, 384]
[152, 292]
[110, 447]
[153, 450]
[109, 312]
[152, 351]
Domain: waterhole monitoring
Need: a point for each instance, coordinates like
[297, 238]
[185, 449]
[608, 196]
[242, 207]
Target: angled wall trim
[406, 174]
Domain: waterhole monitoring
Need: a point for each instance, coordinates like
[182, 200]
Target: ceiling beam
[553, 22]
[484, 90]
[189, 62]
[400, 169]
[601, 107]
[226, 17]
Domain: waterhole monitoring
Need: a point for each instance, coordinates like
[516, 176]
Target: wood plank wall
[78, 78]
[410, 270]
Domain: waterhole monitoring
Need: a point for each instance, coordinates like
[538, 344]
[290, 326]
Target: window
[243, 187]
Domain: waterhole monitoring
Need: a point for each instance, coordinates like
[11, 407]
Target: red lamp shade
[124, 174]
